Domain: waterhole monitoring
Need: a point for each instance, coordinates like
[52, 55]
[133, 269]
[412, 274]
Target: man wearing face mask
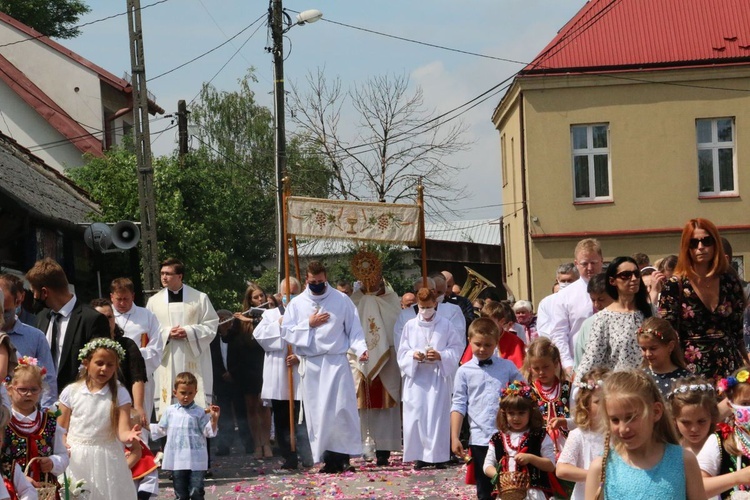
[67, 322]
[276, 381]
[322, 324]
[28, 340]
[566, 274]
[573, 304]
[437, 285]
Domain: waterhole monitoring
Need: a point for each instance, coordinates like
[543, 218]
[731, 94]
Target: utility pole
[277, 35]
[182, 127]
[146, 198]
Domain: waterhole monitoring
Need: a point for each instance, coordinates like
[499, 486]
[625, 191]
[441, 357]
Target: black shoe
[329, 468]
[440, 465]
[419, 465]
[222, 452]
[290, 465]
[348, 468]
[382, 461]
[209, 474]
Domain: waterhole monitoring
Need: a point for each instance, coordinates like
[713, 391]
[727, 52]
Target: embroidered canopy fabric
[352, 220]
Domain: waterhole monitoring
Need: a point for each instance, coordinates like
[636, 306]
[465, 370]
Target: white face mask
[563, 285]
[427, 313]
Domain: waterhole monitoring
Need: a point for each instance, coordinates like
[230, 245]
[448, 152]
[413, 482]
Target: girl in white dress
[585, 442]
[96, 412]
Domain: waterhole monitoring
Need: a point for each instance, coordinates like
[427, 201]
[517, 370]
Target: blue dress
[665, 481]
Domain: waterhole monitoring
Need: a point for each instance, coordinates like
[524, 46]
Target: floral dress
[711, 339]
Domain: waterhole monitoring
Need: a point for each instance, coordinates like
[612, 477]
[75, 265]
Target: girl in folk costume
[663, 359]
[32, 432]
[543, 369]
[96, 412]
[696, 413]
[737, 434]
[646, 461]
[585, 442]
[15, 485]
[521, 443]
[143, 468]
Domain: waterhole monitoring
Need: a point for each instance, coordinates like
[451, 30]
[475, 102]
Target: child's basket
[45, 491]
[512, 485]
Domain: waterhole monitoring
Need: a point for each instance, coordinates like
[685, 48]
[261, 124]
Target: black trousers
[224, 439]
[484, 484]
[281, 424]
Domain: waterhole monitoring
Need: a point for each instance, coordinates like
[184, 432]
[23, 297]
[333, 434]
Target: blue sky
[178, 30]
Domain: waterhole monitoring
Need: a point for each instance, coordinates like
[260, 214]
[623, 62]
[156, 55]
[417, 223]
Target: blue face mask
[9, 316]
[317, 288]
[291, 296]
[18, 310]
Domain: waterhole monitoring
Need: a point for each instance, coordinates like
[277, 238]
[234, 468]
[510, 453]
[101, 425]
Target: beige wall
[652, 142]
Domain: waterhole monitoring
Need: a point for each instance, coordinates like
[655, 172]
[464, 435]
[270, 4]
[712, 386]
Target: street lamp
[280, 22]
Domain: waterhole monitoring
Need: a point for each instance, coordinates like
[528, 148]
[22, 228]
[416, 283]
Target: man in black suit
[67, 322]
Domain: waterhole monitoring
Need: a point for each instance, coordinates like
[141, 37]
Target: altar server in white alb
[378, 381]
[276, 382]
[322, 324]
[188, 325]
[141, 326]
[428, 355]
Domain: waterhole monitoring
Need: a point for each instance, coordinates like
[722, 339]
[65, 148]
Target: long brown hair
[661, 331]
[247, 303]
[542, 347]
[685, 266]
[519, 403]
[592, 381]
[83, 377]
[694, 391]
[637, 388]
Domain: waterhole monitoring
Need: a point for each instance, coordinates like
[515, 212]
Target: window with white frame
[717, 165]
[591, 162]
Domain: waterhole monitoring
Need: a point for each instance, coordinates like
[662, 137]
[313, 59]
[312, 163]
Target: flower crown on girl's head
[31, 361]
[590, 385]
[691, 388]
[101, 342]
[520, 389]
[725, 384]
[650, 331]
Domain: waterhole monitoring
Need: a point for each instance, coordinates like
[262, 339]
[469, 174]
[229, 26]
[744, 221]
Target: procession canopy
[352, 220]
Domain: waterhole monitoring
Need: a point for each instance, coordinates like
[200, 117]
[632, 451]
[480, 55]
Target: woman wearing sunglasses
[704, 302]
[612, 340]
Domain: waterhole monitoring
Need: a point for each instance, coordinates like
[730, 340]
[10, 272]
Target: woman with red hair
[704, 302]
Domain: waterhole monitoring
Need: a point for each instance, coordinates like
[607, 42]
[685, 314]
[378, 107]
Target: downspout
[525, 205]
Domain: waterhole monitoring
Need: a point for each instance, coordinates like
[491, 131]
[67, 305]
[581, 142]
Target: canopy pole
[289, 368]
[420, 202]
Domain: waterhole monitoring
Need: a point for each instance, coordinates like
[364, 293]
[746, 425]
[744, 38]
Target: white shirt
[571, 307]
[709, 458]
[139, 321]
[62, 324]
[446, 310]
[544, 315]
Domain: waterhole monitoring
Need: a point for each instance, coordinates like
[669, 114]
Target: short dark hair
[100, 303]
[120, 284]
[597, 283]
[641, 259]
[47, 273]
[179, 267]
[316, 267]
[484, 327]
[13, 282]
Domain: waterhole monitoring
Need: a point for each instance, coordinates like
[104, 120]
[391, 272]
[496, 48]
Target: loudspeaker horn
[125, 235]
[98, 236]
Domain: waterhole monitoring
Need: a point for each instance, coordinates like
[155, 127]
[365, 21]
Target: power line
[210, 50]
[79, 26]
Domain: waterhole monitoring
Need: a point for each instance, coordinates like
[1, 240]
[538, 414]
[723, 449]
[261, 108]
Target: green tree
[54, 18]
[216, 205]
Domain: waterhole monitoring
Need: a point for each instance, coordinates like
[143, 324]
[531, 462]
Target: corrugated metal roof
[39, 188]
[620, 34]
[481, 231]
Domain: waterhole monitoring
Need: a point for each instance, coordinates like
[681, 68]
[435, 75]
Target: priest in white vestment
[141, 326]
[188, 325]
[322, 325]
[378, 382]
[428, 356]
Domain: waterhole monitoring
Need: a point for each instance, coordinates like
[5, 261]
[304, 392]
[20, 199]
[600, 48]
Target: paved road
[238, 476]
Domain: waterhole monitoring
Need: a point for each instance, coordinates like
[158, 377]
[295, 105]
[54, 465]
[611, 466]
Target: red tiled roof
[104, 75]
[48, 109]
[631, 34]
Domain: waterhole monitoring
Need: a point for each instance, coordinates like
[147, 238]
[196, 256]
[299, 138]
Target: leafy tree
[54, 18]
[216, 205]
[396, 142]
